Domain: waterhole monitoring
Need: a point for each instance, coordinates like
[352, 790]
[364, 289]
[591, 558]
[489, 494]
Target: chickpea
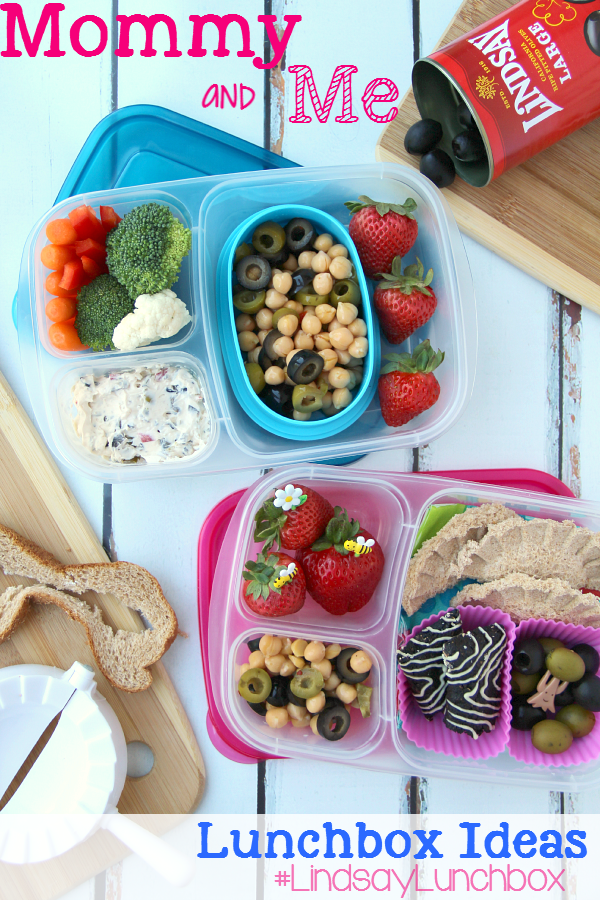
[294, 306]
[291, 263]
[274, 663]
[323, 242]
[282, 282]
[298, 661]
[313, 726]
[346, 692]
[324, 667]
[298, 647]
[337, 250]
[334, 325]
[286, 645]
[322, 341]
[343, 357]
[254, 354]
[300, 416]
[274, 375]
[288, 380]
[310, 324]
[275, 300]
[296, 712]
[360, 662]
[340, 267]
[327, 401]
[346, 313]
[341, 398]
[288, 325]
[323, 283]
[359, 347]
[315, 651]
[325, 313]
[305, 259]
[316, 704]
[358, 374]
[330, 359]
[263, 333]
[358, 327]
[277, 718]
[287, 669]
[332, 651]
[303, 341]
[341, 339]
[332, 682]
[244, 668]
[283, 345]
[270, 645]
[247, 340]
[304, 722]
[256, 660]
[352, 383]
[244, 322]
[338, 377]
[320, 262]
[264, 318]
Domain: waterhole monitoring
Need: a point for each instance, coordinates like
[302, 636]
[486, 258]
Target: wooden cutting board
[36, 501]
[544, 215]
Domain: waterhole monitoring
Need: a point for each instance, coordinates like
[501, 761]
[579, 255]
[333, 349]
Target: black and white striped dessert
[474, 671]
[422, 662]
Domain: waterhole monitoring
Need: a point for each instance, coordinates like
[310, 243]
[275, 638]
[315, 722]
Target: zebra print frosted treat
[422, 662]
[474, 671]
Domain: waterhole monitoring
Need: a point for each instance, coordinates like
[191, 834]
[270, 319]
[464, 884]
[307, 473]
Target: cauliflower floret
[155, 316]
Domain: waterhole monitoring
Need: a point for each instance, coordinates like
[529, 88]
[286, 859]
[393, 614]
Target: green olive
[280, 313]
[551, 736]
[550, 644]
[307, 296]
[255, 685]
[565, 664]
[307, 683]
[242, 251]
[268, 239]
[306, 398]
[523, 684]
[345, 291]
[579, 720]
[249, 301]
[256, 377]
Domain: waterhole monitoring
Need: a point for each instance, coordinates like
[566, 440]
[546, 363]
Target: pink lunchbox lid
[210, 542]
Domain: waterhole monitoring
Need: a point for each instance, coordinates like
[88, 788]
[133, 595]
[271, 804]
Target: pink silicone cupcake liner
[433, 735]
[582, 750]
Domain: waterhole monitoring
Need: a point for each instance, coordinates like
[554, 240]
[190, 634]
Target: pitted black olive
[423, 136]
[591, 31]
[265, 361]
[465, 116]
[438, 167]
[299, 234]
[305, 366]
[278, 397]
[253, 273]
[300, 279]
[468, 146]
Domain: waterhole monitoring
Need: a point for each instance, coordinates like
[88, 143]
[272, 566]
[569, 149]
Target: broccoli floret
[145, 250]
[101, 306]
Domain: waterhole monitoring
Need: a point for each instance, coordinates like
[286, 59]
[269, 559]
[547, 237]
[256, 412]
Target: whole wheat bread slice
[541, 548]
[123, 656]
[524, 597]
[434, 569]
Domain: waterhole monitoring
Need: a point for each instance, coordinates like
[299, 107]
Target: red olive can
[528, 77]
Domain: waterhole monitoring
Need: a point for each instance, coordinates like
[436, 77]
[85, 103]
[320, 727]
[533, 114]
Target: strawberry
[404, 302]
[293, 519]
[344, 567]
[382, 231]
[263, 591]
[407, 385]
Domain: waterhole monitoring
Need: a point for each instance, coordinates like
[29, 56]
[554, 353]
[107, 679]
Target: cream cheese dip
[149, 414]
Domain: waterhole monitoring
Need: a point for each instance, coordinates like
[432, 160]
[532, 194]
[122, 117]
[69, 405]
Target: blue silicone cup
[250, 402]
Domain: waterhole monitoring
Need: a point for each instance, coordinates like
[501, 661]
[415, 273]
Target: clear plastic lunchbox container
[213, 207]
[391, 506]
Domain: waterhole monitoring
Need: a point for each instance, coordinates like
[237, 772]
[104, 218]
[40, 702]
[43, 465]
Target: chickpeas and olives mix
[548, 677]
[299, 319]
[308, 684]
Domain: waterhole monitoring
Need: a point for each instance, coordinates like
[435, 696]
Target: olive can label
[531, 75]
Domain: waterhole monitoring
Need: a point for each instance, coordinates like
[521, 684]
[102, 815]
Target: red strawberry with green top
[342, 568]
[404, 302]
[407, 385]
[274, 585]
[293, 519]
[382, 231]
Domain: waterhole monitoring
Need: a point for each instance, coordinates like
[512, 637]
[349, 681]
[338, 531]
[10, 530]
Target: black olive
[438, 167]
[565, 698]
[278, 397]
[279, 693]
[587, 692]
[301, 278]
[259, 708]
[333, 723]
[591, 31]
[342, 666]
[525, 716]
[590, 657]
[423, 136]
[265, 361]
[465, 116]
[253, 645]
[305, 366]
[268, 342]
[528, 656]
[292, 698]
[299, 234]
[468, 146]
[253, 272]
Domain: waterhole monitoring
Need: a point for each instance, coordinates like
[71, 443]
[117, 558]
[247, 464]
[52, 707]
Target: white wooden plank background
[535, 402]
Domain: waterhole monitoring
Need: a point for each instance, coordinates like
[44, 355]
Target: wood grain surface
[543, 215]
[36, 501]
